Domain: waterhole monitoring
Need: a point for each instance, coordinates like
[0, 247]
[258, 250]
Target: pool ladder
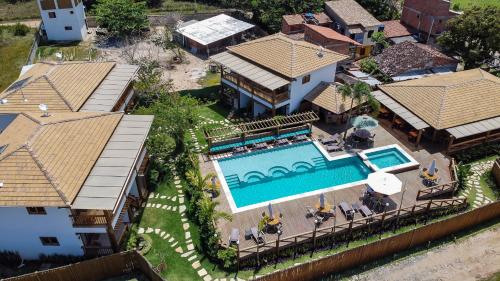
[232, 180]
[319, 162]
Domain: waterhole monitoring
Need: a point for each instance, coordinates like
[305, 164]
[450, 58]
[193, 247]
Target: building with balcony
[63, 20]
[352, 20]
[273, 74]
[70, 181]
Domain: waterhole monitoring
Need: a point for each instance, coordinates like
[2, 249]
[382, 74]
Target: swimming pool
[284, 173]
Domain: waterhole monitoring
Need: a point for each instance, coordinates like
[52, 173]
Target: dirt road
[471, 258]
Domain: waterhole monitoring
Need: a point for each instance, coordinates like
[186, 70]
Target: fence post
[238, 257]
[427, 209]
[349, 233]
[314, 236]
[278, 247]
[295, 248]
[258, 260]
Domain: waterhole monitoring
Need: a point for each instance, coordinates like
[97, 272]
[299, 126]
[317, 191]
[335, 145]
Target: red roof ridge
[331, 34]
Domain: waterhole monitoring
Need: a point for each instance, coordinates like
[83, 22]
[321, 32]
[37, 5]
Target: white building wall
[21, 232]
[55, 27]
[299, 90]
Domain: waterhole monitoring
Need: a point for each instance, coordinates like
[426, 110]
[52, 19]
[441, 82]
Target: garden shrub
[21, 29]
[478, 152]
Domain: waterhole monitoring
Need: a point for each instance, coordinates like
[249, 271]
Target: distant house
[70, 181]
[63, 20]
[71, 87]
[460, 109]
[273, 74]
[397, 32]
[428, 17]
[296, 23]
[352, 20]
[211, 35]
[410, 60]
[330, 39]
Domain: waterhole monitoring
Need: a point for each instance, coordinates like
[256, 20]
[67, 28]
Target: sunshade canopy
[384, 183]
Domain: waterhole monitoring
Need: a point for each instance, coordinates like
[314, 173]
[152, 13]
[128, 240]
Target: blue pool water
[284, 171]
[275, 173]
[387, 158]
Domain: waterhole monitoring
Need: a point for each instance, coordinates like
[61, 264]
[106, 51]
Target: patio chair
[311, 212]
[365, 211]
[234, 238]
[257, 235]
[333, 147]
[330, 139]
[346, 210]
[299, 138]
[281, 142]
[239, 149]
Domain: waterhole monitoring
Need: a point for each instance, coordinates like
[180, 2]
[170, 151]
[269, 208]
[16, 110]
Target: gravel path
[472, 258]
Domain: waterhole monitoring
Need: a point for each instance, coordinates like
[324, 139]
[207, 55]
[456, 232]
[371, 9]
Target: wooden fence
[317, 269]
[449, 187]
[95, 269]
[345, 232]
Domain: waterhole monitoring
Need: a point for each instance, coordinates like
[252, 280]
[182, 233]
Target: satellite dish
[3, 101]
[44, 108]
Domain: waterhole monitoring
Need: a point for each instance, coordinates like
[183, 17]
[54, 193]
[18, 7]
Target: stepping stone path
[473, 183]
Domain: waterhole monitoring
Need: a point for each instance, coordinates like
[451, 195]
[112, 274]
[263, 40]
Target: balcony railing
[272, 97]
[89, 220]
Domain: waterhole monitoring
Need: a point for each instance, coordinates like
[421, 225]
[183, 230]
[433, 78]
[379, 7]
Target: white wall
[20, 232]
[299, 90]
[55, 26]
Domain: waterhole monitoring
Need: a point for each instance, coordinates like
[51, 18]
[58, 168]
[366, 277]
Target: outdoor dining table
[274, 221]
[430, 177]
[326, 209]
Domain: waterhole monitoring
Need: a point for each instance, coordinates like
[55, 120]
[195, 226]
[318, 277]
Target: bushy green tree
[474, 35]
[381, 9]
[121, 17]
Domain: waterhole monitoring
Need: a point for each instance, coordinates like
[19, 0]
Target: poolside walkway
[294, 212]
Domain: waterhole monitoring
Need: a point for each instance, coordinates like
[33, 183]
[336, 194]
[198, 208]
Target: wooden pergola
[244, 130]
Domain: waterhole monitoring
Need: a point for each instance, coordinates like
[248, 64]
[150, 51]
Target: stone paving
[176, 203]
[473, 183]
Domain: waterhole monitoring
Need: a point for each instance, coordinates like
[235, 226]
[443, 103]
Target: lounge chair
[333, 147]
[299, 138]
[282, 142]
[234, 238]
[260, 145]
[346, 210]
[365, 211]
[257, 236]
[311, 212]
[239, 149]
[331, 139]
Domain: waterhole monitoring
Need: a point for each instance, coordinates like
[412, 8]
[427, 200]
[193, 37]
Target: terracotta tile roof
[352, 13]
[48, 158]
[394, 28]
[299, 19]
[325, 95]
[449, 100]
[63, 87]
[407, 56]
[331, 34]
[286, 56]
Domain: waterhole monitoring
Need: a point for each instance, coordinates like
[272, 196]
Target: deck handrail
[419, 207]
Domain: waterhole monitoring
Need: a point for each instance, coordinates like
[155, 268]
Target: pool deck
[294, 212]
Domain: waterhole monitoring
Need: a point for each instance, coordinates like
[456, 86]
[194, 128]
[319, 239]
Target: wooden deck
[294, 212]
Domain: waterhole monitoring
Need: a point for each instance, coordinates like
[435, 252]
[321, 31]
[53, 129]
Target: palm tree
[198, 181]
[359, 92]
[208, 212]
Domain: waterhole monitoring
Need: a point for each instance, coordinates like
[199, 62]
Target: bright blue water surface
[387, 158]
[284, 171]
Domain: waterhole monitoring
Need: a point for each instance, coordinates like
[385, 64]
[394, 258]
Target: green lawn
[76, 51]
[463, 4]
[184, 7]
[19, 11]
[14, 51]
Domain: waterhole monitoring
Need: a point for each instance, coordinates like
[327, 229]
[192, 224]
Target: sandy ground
[184, 75]
[30, 23]
[472, 258]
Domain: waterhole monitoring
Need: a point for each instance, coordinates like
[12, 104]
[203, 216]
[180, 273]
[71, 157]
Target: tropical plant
[227, 257]
[209, 213]
[359, 93]
[473, 35]
[121, 17]
[380, 40]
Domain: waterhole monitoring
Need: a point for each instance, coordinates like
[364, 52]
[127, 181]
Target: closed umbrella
[384, 183]
[270, 209]
[322, 201]
[365, 122]
[432, 168]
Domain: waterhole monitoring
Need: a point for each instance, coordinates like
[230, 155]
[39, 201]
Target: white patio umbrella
[322, 201]
[270, 209]
[384, 183]
[432, 168]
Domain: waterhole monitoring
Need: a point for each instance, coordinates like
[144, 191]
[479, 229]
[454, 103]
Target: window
[353, 36]
[418, 16]
[68, 28]
[306, 79]
[52, 15]
[47, 4]
[362, 51]
[71, 12]
[49, 241]
[36, 210]
[370, 33]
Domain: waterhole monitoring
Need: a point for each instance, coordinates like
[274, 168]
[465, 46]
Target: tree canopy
[121, 17]
[474, 35]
